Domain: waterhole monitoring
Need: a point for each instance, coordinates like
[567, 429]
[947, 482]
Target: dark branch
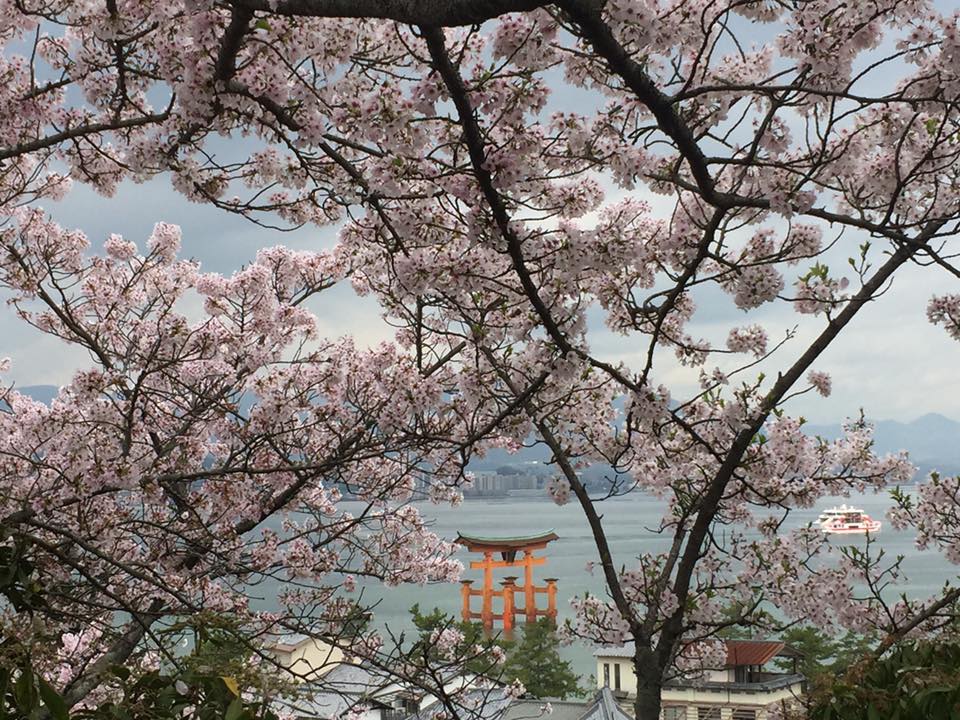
[714, 493]
[443, 13]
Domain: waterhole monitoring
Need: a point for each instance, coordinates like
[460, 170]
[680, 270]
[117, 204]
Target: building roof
[739, 652]
[605, 707]
[478, 704]
[753, 652]
[498, 704]
[346, 686]
[477, 543]
[618, 651]
[602, 706]
[288, 643]
[350, 679]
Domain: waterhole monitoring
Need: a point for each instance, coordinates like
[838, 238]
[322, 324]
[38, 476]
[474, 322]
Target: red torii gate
[508, 547]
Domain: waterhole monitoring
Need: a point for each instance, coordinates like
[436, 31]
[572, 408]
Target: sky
[890, 361]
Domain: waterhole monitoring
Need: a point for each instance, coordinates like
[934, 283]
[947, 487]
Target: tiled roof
[530, 709]
[288, 643]
[605, 707]
[497, 704]
[344, 687]
[752, 652]
[480, 704]
[617, 651]
[739, 652]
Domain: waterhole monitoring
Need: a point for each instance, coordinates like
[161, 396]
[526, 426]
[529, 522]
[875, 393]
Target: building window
[743, 714]
[410, 705]
[708, 713]
[674, 713]
[616, 676]
[606, 674]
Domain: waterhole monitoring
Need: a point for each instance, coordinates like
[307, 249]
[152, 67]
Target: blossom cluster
[207, 443]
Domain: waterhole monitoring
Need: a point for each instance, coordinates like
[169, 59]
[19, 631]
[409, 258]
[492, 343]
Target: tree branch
[714, 493]
[598, 34]
[442, 13]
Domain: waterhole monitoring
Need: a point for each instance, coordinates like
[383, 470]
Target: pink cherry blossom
[820, 381]
[505, 182]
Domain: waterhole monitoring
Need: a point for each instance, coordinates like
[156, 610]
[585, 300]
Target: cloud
[889, 361]
[221, 242]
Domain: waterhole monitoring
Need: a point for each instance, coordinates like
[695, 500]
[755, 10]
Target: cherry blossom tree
[498, 229]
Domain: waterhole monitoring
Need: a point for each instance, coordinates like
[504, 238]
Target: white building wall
[729, 699]
[308, 659]
[692, 698]
[628, 678]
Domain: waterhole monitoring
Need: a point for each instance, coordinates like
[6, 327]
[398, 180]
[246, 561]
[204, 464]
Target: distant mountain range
[932, 440]
[43, 393]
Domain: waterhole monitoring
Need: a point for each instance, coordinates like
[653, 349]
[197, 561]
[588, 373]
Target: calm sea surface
[629, 522]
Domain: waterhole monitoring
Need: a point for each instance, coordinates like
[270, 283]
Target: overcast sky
[891, 361]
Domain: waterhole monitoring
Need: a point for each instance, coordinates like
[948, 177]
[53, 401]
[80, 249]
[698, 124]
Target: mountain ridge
[932, 440]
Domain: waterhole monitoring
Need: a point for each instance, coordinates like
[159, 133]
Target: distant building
[491, 483]
[740, 690]
[305, 658]
[366, 692]
[499, 704]
[370, 694]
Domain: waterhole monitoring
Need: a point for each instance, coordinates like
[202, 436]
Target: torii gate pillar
[508, 547]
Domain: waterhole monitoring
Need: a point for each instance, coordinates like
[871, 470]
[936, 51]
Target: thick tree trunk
[649, 684]
[647, 704]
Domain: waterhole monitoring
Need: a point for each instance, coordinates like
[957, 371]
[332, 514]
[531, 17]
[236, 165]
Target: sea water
[630, 523]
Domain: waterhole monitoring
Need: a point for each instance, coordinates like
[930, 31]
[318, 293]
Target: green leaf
[53, 700]
[120, 671]
[4, 684]
[24, 691]
[262, 25]
[235, 710]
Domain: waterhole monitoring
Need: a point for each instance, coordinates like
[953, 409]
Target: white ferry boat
[845, 519]
[835, 512]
